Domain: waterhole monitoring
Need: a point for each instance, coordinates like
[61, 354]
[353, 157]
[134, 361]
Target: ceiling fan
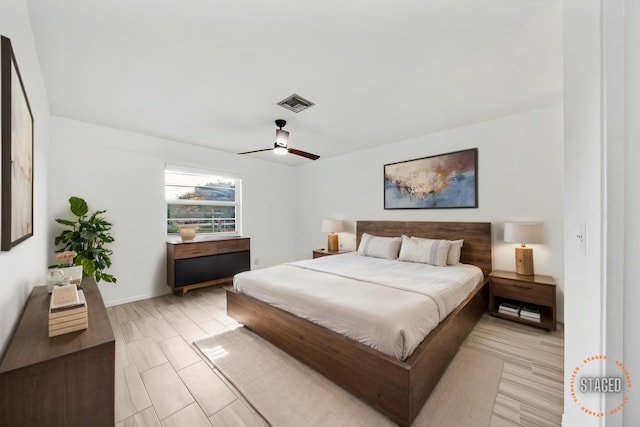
[280, 146]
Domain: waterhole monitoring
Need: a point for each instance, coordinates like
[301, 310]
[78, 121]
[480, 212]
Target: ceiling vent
[295, 103]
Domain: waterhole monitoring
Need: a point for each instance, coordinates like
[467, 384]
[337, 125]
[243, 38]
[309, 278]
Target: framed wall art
[444, 181]
[16, 170]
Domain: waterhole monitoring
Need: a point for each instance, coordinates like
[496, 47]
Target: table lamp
[523, 232]
[332, 226]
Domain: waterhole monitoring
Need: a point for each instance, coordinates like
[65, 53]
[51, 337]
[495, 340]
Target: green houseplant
[87, 238]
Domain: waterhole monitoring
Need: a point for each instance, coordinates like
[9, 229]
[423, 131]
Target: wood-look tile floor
[162, 381]
[531, 390]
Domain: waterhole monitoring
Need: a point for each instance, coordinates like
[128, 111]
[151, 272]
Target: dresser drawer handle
[196, 252]
[522, 286]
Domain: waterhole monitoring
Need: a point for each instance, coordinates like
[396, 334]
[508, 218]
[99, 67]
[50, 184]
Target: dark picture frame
[16, 170]
[443, 181]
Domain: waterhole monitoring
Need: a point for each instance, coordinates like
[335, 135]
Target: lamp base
[524, 261]
[332, 243]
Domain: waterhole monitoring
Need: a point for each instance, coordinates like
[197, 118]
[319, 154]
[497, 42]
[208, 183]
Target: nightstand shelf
[317, 253]
[537, 292]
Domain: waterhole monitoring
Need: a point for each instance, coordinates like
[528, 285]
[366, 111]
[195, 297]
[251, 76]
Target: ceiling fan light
[280, 150]
[282, 136]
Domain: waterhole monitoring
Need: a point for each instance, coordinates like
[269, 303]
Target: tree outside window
[210, 201]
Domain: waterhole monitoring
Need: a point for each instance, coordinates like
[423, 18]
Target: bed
[396, 388]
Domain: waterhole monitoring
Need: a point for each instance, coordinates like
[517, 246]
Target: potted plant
[87, 238]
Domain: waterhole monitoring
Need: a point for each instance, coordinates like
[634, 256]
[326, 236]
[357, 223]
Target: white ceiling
[210, 72]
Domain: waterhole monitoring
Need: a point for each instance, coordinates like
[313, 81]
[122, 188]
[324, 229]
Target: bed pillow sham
[453, 257]
[379, 247]
[425, 251]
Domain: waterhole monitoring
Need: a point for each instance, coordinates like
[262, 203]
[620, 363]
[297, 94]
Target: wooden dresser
[67, 380]
[199, 263]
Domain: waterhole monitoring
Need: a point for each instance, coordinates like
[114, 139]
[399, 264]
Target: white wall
[583, 195]
[24, 266]
[613, 155]
[123, 172]
[632, 210]
[601, 169]
[520, 179]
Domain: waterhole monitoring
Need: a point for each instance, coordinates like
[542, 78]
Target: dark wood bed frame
[396, 389]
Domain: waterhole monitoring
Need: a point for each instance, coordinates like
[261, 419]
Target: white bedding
[386, 304]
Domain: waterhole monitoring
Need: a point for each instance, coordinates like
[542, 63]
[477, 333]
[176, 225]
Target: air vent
[295, 103]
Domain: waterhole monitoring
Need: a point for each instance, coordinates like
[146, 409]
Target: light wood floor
[162, 381]
[531, 390]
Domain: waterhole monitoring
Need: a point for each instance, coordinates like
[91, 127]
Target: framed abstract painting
[444, 181]
[16, 170]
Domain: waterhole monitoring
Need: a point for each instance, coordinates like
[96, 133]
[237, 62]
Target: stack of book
[530, 313]
[509, 309]
[67, 310]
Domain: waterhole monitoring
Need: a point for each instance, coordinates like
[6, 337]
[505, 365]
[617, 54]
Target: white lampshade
[332, 226]
[523, 232]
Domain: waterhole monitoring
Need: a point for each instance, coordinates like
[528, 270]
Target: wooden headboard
[476, 249]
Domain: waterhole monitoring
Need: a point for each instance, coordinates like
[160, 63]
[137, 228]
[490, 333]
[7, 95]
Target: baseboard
[135, 298]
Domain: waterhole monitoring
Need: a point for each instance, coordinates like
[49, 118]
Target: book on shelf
[509, 308]
[530, 310]
[533, 315]
[530, 313]
[531, 318]
[508, 313]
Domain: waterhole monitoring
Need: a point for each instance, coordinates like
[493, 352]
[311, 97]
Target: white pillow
[379, 247]
[425, 251]
[453, 257]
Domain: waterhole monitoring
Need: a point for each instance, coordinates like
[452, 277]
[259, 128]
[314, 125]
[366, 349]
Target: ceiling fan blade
[303, 154]
[257, 151]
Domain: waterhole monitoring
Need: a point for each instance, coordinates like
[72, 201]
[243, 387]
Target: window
[210, 200]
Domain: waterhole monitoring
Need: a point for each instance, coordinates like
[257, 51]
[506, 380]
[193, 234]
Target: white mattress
[388, 305]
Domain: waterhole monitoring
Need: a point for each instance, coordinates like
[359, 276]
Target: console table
[67, 380]
[199, 263]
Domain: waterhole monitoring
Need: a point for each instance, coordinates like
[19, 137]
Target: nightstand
[537, 292]
[317, 253]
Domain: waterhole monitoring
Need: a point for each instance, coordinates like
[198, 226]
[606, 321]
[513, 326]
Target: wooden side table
[538, 292]
[317, 253]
